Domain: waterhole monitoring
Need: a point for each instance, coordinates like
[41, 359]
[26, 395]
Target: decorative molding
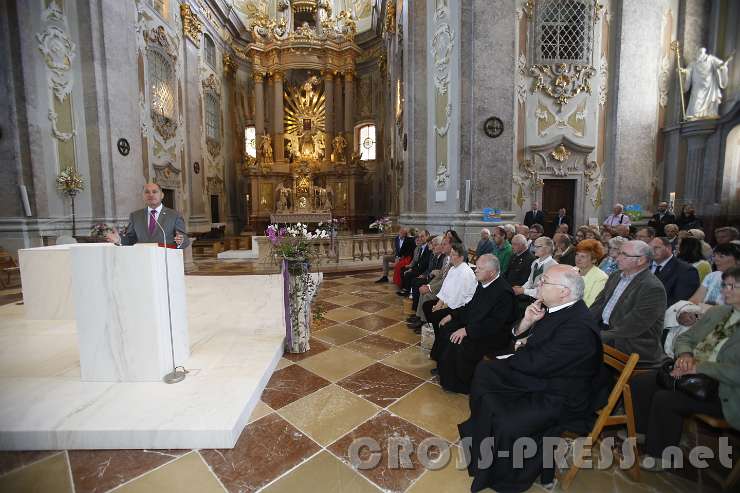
[443, 175]
[442, 44]
[595, 181]
[63, 136]
[157, 37]
[560, 153]
[229, 65]
[442, 131]
[167, 175]
[442, 10]
[166, 127]
[211, 83]
[575, 120]
[215, 184]
[192, 27]
[562, 81]
[561, 156]
[214, 147]
[390, 17]
[521, 83]
[603, 79]
[58, 51]
[53, 13]
[528, 178]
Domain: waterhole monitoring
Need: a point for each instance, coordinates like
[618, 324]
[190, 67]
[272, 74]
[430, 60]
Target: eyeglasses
[539, 246]
[628, 255]
[542, 281]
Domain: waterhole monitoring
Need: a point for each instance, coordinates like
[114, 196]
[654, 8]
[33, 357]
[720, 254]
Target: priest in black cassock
[541, 390]
[481, 326]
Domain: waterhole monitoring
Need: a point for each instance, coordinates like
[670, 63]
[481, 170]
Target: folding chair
[625, 365]
[720, 424]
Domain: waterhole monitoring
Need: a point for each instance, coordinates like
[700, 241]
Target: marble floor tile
[412, 360]
[50, 475]
[376, 346]
[336, 363]
[265, 450]
[370, 306]
[380, 384]
[325, 470]
[328, 413]
[344, 314]
[401, 332]
[326, 293]
[323, 306]
[290, 384]
[394, 312]
[322, 323]
[341, 334]
[434, 409]
[388, 476]
[346, 280]
[372, 323]
[100, 470]
[13, 460]
[345, 299]
[316, 346]
[331, 285]
[452, 476]
[259, 411]
[283, 363]
[188, 474]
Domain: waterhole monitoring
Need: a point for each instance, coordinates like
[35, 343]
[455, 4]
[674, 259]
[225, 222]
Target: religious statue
[339, 145]
[322, 198]
[266, 147]
[283, 198]
[705, 77]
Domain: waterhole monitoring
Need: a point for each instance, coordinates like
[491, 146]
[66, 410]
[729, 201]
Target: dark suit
[569, 258]
[561, 220]
[659, 223]
[544, 388]
[680, 280]
[519, 268]
[407, 247]
[530, 218]
[636, 323]
[138, 228]
[416, 268]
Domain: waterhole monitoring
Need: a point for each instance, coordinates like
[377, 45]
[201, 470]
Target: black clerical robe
[487, 319]
[543, 389]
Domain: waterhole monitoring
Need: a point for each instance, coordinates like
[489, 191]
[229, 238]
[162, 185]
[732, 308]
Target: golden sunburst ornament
[305, 108]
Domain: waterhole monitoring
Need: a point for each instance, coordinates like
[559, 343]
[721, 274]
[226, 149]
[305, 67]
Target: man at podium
[142, 224]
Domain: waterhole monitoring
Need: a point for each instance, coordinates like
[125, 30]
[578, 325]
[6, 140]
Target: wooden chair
[719, 424]
[625, 365]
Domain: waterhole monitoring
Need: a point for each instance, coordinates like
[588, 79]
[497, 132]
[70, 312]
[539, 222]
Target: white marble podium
[119, 295]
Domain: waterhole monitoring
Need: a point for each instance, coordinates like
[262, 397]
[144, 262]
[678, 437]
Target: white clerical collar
[158, 209]
[560, 307]
[489, 282]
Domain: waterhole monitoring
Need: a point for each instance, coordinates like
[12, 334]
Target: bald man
[146, 225]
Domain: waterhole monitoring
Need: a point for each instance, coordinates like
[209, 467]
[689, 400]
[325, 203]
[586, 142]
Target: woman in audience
[687, 218]
[710, 347]
[581, 233]
[592, 233]
[609, 264]
[588, 255]
[710, 293]
[689, 249]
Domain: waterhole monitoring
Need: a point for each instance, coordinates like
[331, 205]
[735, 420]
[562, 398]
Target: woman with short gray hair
[609, 264]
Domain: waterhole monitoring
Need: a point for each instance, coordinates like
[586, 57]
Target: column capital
[328, 74]
[349, 74]
[258, 76]
[276, 75]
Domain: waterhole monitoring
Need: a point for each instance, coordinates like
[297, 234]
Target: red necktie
[152, 221]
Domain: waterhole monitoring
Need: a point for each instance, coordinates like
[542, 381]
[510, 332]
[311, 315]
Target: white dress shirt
[459, 286]
[156, 214]
[530, 287]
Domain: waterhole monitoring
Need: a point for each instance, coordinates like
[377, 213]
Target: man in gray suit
[142, 224]
[631, 306]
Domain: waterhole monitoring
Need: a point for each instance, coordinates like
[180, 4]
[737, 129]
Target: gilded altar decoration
[339, 145]
[562, 81]
[390, 17]
[192, 27]
[266, 148]
[305, 119]
[560, 153]
[229, 65]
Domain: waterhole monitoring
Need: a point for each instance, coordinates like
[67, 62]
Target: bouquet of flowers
[69, 181]
[381, 224]
[101, 230]
[293, 242]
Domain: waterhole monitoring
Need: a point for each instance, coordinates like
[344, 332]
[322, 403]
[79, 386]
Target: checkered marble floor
[365, 376]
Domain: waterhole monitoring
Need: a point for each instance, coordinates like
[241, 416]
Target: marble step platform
[236, 339]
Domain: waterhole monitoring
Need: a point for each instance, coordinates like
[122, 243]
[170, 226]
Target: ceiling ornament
[562, 81]
[192, 27]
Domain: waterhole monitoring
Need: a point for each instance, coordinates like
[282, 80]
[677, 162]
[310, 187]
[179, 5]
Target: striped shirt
[624, 281]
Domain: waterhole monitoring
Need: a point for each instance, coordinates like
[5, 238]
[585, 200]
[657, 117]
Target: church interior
[277, 130]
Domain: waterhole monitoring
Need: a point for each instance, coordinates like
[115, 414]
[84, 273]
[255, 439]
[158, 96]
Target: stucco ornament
[58, 52]
[442, 43]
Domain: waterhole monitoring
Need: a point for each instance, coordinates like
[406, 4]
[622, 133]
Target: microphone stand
[174, 376]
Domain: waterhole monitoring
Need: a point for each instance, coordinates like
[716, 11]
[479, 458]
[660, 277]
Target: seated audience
[435, 263]
[606, 235]
[481, 326]
[661, 218]
[403, 247]
[710, 292]
[727, 234]
[690, 250]
[687, 219]
[618, 217]
[671, 232]
[501, 248]
[428, 292]
[400, 267]
[544, 388]
[521, 261]
[543, 261]
[710, 347]
[485, 245]
[680, 279]
[631, 307]
[706, 249]
[535, 231]
[563, 229]
[645, 234]
[622, 230]
[510, 231]
[609, 263]
[420, 263]
[588, 255]
[592, 233]
[565, 253]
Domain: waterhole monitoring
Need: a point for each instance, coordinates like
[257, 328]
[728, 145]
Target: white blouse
[459, 286]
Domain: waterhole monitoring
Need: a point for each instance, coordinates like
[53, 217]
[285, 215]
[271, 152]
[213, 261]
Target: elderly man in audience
[588, 255]
[645, 234]
[545, 387]
[510, 231]
[727, 234]
[617, 217]
[428, 291]
[565, 253]
[671, 232]
[661, 218]
[523, 230]
[501, 248]
[526, 293]
[436, 261]
[521, 261]
[418, 266]
[631, 307]
[680, 279]
[403, 247]
[457, 289]
[481, 326]
[535, 231]
[485, 245]
[711, 347]
[622, 230]
[609, 263]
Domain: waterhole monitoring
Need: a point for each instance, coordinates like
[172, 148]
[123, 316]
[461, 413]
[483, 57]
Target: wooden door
[557, 194]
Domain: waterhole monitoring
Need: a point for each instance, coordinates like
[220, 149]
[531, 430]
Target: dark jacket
[519, 268]
[569, 258]
[484, 246]
[435, 263]
[680, 280]
[422, 262]
[636, 323]
[557, 222]
[659, 223]
[530, 219]
[138, 228]
[407, 247]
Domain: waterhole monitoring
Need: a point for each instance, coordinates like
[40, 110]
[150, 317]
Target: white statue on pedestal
[705, 77]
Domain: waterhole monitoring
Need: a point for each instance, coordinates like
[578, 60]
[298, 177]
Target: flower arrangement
[69, 181]
[101, 230]
[293, 242]
[381, 224]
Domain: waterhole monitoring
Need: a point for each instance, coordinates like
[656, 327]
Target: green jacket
[727, 367]
[504, 254]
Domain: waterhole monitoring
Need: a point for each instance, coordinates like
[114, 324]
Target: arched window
[210, 51]
[563, 31]
[213, 118]
[366, 142]
[162, 78]
[250, 141]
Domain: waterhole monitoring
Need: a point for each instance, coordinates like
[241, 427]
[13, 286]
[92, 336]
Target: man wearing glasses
[631, 307]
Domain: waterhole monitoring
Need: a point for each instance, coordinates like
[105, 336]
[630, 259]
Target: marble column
[349, 98]
[329, 98]
[277, 117]
[259, 107]
[338, 107]
[198, 220]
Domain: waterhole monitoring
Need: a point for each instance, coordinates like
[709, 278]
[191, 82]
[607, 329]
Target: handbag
[699, 386]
